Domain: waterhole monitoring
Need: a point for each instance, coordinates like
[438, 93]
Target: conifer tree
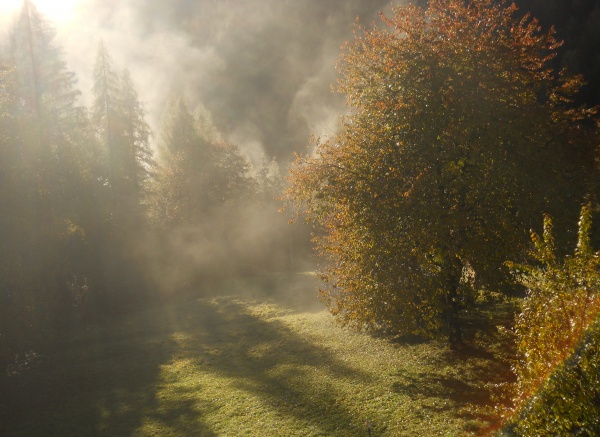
[182, 183]
[45, 85]
[118, 117]
[50, 181]
[138, 157]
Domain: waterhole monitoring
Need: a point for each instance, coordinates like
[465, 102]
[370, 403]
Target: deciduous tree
[456, 142]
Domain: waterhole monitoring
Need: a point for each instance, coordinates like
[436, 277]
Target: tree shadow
[110, 380]
[469, 385]
[431, 385]
[265, 358]
[103, 381]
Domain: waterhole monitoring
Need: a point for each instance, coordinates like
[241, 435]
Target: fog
[263, 68]
[265, 72]
[94, 228]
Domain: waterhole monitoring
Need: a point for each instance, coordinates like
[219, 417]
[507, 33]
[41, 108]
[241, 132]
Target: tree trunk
[453, 320]
[452, 310]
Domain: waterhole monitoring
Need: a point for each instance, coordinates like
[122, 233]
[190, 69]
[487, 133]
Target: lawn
[238, 363]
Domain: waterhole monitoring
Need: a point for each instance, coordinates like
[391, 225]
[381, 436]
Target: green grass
[240, 366]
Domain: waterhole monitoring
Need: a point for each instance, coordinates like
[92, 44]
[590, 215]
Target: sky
[263, 68]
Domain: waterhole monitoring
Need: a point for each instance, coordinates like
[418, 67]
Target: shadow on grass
[452, 391]
[469, 383]
[291, 375]
[102, 382]
[467, 388]
[110, 380]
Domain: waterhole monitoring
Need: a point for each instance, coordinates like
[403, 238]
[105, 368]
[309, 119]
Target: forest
[199, 238]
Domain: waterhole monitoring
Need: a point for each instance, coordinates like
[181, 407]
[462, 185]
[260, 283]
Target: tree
[204, 124]
[200, 173]
[44, 84]
[179, 131]
[54, 131]
[180, 191]
[577, 22]
[270, 180]
[119, 120]
[104, 112]
[48, 183]
[201, 194]
[457, 140]
[9, 199]
[138, 156]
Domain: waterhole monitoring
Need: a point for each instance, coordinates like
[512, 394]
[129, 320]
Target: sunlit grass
[236, 366]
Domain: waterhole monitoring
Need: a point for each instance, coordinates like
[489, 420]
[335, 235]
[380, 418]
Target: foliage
[271, 183]
[125, 165]
[577, 23]
[557, 341]
[45, 85]
[48, 186]
[206, 200]
[138, 154]
[457, 140]
[567, 402]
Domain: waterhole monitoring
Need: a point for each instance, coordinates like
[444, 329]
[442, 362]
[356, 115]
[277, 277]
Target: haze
[263, 68]
[62, 12]
[151, 285]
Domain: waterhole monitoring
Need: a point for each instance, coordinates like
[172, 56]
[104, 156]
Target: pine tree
[118, 117]
[45, 85]
[204, 124]
[182, 183]
[50, 179]
[105, 114]
[138, 159]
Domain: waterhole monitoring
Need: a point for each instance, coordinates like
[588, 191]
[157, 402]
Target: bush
[557, 389]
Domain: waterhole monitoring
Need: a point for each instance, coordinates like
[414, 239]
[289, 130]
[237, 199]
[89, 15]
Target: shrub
[557, 388]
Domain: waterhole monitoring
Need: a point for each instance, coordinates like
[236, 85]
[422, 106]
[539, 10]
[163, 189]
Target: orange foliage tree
[458, 139]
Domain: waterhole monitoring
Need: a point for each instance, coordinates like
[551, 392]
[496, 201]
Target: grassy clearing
[241, 366]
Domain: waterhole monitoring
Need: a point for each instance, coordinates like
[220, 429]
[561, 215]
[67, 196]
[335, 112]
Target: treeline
[462, 136]
[94, 221]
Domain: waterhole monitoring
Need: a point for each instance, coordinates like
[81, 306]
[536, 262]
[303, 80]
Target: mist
[153, 279]
[265, 72]
[263, 68]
